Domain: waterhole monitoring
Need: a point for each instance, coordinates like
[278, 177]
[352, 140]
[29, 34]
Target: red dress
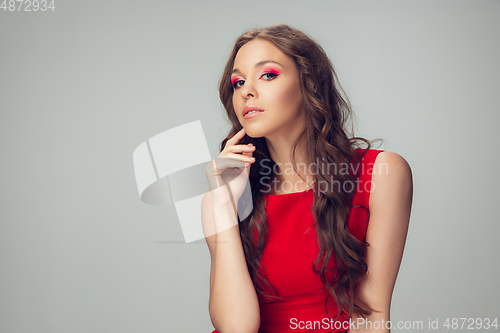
[290, 252]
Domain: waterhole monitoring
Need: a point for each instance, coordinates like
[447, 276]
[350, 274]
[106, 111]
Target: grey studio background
[83, 86]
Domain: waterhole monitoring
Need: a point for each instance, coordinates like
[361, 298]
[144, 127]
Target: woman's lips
[251, 111]
[251, 115]
[249, 108]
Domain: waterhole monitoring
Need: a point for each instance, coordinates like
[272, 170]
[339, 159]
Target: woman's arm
[390, 206]
[233, 303]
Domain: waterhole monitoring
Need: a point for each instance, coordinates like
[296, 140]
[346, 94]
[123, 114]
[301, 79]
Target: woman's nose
[248, 90]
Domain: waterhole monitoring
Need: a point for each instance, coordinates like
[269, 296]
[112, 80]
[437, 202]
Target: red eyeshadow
[234, 80]
[272, 70]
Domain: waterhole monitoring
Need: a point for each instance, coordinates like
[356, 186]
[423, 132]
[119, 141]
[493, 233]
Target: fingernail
[246, 164]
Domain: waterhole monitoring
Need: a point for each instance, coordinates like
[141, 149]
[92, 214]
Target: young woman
[322, 246]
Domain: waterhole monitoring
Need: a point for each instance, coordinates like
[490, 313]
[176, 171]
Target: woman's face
[266, 78]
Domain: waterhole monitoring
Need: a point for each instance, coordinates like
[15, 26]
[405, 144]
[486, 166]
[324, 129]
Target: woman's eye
[235, 85]
[271, 77]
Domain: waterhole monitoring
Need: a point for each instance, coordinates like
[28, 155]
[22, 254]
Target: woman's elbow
[250, 324]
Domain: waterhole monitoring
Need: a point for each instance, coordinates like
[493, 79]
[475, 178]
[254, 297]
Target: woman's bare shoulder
[391, 164]
[391, 179]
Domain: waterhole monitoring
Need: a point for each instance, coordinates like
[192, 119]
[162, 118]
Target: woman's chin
[254, 133]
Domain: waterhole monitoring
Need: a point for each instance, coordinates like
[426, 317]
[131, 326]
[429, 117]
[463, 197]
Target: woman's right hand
[232, 167]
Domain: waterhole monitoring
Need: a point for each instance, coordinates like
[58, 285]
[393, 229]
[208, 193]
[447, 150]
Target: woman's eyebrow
[260, 63]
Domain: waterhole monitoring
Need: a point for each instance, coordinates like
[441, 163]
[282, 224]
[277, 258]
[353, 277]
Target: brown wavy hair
[327, 135]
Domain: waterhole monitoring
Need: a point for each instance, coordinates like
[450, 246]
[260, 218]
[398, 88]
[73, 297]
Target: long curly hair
[328, 135]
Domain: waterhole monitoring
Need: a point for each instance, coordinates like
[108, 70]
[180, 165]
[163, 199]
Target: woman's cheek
[236, 107]
[287, 97]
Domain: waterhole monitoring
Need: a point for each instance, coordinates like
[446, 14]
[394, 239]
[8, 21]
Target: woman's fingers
[248, 150]
[229, 169]
[248, 153]
[244, 158]
[240, 148]
[239, 151]
[236, 138]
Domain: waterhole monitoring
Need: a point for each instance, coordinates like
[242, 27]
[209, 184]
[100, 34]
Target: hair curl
[328, 114]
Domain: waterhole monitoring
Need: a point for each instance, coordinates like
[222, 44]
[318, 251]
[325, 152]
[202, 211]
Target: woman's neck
[288, 180]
